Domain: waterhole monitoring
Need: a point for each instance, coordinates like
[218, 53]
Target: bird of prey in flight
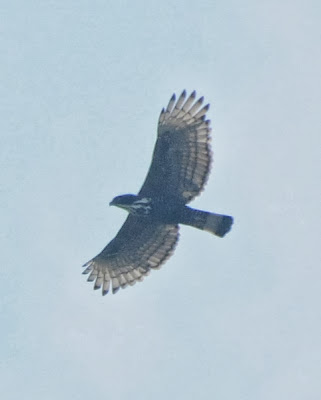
[178, 173]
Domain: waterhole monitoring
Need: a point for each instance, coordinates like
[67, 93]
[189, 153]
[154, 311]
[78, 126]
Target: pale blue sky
[82, 85]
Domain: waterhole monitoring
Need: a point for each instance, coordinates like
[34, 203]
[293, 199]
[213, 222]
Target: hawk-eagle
[178, 173]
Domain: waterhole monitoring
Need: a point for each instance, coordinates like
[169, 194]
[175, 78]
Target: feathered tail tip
[218, 224]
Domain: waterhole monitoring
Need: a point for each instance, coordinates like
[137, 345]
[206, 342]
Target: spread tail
[217, 224]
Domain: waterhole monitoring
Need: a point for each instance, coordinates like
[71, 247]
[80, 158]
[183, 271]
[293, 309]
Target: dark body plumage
[178, 173]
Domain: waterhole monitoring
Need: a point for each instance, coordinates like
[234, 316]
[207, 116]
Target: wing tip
[88, 267]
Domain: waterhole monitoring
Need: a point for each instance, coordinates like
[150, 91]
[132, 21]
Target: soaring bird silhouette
[178, 173]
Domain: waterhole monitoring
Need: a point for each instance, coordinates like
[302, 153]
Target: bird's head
[124, 201]
[133, 204]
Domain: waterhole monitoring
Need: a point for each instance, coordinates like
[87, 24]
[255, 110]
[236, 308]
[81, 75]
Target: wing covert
[182, 155]
[140, 245]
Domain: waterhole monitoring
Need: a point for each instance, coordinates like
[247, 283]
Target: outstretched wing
[182, 155]
[140, 245]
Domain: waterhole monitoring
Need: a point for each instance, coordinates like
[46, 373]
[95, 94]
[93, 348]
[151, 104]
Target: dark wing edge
[182, 156]
[139, 246]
